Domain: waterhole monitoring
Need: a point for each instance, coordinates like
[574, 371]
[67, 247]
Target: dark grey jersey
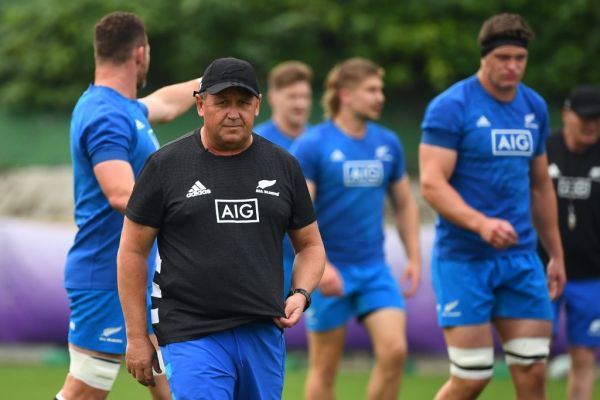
[221, 222]
[576, 179]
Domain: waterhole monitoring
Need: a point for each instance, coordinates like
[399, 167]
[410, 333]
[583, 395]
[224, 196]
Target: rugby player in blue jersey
[290, 98]
[351, 164]
[484, 170]
[111, 138]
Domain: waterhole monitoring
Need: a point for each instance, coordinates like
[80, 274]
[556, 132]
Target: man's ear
[257, 110]
[343, 94]
[139, 54]
[200, 105]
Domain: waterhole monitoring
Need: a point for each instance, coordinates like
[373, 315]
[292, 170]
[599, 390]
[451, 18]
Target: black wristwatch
[303, 293]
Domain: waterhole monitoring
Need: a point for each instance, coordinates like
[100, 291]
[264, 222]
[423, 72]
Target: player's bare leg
[387, 328]
[582, 373]
[325, 351]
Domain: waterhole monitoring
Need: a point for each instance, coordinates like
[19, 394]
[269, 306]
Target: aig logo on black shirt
[236, 211]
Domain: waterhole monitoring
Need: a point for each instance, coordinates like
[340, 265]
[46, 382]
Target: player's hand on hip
[331, 283]
[556, 276]
[411, 278]
[294, 307]
[140, 358]
[498, 233]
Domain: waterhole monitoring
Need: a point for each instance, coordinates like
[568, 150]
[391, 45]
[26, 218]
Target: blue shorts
[581, 300]
[367, 288]
[97, 322]
[246, 362]
[475, 292]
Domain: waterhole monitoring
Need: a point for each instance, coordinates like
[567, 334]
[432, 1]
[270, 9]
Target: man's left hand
[294, 306]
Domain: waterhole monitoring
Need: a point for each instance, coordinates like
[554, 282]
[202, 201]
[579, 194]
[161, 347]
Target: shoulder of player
[93, 117]
[316, 132]
[264, 128]
[382, 130]
[268, 146]
[456, 96]
[103, 104]
[532, 96]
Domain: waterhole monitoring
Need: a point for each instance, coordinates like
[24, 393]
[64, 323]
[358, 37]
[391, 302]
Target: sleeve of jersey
[399, 168]
[303, 213]
[544, 130]
[108, 138]
[145, 205]
[306, 152]
[441, 124]
[143, 107]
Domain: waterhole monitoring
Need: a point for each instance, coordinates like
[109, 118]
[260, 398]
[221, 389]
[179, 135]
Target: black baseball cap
[584, 101]
[228, 72]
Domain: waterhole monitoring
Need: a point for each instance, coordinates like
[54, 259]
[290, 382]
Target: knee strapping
[471, 363]
[527, 350]
[99, 373]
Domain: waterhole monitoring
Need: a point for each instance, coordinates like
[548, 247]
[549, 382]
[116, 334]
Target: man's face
[504, 67]
[228, 117]
[292, 103]
[584, 132]
[366, 99]
[143, 67]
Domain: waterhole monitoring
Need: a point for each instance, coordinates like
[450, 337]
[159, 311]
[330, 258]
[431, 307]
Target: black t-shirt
[576, 179]
[221, 222]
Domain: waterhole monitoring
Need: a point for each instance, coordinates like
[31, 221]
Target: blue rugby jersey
[495, 143]
[352, 177]
[104, 126]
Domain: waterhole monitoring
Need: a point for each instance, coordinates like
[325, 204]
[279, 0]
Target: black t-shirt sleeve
[303, 213]
[145, 205]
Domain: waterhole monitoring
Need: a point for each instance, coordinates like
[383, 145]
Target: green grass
[43, 382]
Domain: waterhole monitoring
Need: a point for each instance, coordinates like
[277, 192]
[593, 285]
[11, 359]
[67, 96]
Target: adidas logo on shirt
[337, 155]
[483, 122]
[197, 189]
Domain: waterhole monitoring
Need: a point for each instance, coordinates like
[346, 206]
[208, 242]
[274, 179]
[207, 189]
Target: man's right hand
[140, 358]
[331, 283]
[498, 233]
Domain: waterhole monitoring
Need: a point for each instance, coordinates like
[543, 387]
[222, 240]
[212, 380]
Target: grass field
[42, 382]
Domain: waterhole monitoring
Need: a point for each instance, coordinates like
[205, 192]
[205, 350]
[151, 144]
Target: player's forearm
[545, 218]
[407, 223]
[447, 202]
[309, 265]
[132, 282]
[169, 102]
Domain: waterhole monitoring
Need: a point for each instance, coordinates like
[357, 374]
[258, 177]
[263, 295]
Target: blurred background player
[351, 164]
[290, 98]
[484, 170]
[111, 138]
[574, 166]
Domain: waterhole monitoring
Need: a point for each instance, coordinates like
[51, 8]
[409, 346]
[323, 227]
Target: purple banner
[34, 306]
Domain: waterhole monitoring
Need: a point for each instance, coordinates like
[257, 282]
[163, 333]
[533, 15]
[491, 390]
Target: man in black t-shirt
[220, 200]
[574, 166]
